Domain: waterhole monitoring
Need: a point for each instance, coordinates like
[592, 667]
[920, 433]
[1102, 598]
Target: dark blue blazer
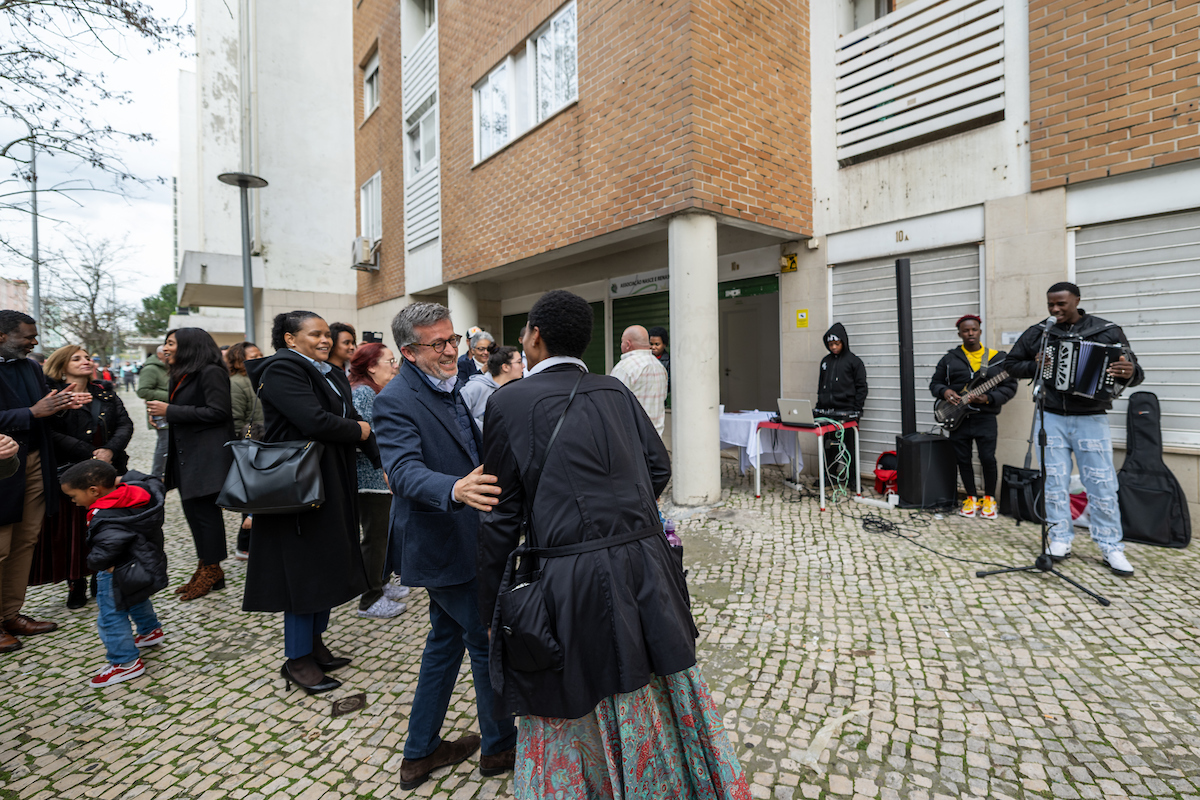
[18, 422]
[466, 368]
[424, 452]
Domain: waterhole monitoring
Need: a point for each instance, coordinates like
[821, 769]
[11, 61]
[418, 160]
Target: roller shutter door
[945, 285]
[1144, 275]
[646, 310]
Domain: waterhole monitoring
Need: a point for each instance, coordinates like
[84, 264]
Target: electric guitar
[950, 416]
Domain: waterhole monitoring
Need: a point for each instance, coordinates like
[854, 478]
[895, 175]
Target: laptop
[796, 412]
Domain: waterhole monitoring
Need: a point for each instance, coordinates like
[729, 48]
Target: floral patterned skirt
[663, 740]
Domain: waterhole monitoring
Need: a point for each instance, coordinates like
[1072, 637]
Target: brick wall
[377, 142]
[1114, 87]
[682, 104]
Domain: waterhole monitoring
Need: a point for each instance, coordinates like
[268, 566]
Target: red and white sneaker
[987, 508]
[115, 673]
[150, 639]
[970, 508]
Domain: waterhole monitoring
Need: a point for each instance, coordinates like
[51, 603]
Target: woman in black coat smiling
[304, 564]
[199, 412]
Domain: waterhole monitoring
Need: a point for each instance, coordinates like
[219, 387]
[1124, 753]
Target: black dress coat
[18, 421]
[74, 431]
[200, 418]
[621, 613]
[311, 561]
[954, 372]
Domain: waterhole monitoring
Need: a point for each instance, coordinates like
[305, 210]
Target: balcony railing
[931, 68]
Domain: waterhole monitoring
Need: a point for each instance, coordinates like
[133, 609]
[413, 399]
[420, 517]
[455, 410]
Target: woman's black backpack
[1154, 509]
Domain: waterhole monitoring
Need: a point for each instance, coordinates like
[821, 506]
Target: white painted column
[695, 360]
[463, 301]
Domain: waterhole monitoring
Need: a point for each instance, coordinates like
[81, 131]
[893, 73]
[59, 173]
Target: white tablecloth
[778, 447]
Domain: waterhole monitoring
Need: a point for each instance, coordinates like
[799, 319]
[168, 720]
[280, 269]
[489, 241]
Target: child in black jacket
[125, 532]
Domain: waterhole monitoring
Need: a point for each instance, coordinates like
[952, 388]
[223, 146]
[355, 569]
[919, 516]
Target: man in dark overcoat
[430, 447]
[25, 401]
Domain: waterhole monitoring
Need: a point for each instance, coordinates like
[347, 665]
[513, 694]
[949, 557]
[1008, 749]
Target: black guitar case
[1153, 507]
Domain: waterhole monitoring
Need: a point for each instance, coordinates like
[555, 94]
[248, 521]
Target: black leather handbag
[273, 477]
[521, 621]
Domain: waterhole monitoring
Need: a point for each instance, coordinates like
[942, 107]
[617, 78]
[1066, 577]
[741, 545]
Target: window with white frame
[421, 129]
[371, 86]
[529, 86]
[553, 51]
[371, 208]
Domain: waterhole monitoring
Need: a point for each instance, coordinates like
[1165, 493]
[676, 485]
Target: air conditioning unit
[364, 256]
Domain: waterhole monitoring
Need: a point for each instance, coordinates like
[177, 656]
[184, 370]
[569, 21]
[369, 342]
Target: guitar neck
[990, 383]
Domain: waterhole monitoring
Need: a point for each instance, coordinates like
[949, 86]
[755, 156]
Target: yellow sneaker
[988, 507]
[969, 507]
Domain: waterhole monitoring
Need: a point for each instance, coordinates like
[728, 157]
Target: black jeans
[373, 511]
[979, 428]
[208, 528]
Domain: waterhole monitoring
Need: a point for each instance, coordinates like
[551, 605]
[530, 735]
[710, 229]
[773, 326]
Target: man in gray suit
[430, 447]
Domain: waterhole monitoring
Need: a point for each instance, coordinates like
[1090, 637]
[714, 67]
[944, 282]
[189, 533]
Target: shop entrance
[749, 336]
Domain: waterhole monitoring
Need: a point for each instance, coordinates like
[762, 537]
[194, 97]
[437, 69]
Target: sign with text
[802, 318]
[641, 283]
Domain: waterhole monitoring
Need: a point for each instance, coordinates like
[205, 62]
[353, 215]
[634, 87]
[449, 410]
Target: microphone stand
[1044, 562]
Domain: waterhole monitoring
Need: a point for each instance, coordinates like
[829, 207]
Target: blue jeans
[300, 632]
[1089, 439]
[114, 624]
[453, 624]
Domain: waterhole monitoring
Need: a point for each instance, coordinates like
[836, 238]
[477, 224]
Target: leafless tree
[81, 305]
[51, 94]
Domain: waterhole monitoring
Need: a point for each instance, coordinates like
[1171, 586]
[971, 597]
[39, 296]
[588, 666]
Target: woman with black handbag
[100, 429]
[307, 562]
[200, 419]
[247, 419]
[593, 643]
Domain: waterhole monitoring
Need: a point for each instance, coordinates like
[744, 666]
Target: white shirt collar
[556, 360]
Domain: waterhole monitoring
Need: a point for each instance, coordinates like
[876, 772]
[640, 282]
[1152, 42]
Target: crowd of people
[428, 467]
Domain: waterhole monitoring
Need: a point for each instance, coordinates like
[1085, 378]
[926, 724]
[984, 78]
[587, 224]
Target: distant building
[14, 294]
[268, 97]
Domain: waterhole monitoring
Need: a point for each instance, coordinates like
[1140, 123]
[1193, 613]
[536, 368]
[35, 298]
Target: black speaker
[926, 471]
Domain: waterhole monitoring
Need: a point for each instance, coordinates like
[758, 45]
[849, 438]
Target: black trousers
[979, 429]
[208, 528]
[374, 511]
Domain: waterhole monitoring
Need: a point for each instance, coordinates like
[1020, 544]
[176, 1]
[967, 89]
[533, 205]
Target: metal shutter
[593, 356]
[646, 310]
[945, 285]
[1144, 275]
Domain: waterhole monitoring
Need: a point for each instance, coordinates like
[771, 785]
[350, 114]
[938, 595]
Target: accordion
[1079, 367]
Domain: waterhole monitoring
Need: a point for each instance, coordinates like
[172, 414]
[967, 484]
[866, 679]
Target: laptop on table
[797, 413]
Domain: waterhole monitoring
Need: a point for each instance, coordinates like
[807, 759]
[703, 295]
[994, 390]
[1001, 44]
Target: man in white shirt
[644, 374]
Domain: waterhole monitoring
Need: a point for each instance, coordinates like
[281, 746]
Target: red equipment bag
[885, 472]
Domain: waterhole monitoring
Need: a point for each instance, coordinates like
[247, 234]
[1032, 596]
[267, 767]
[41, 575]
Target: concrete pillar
[463, 301]
[695, 360]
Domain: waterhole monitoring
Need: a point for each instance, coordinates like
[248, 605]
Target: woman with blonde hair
[100, 429]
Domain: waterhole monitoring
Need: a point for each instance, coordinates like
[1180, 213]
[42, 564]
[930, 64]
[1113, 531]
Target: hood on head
[255, 367]
[839, 331]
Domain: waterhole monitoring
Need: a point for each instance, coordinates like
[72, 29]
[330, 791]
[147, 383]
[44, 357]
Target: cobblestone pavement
[849, 664]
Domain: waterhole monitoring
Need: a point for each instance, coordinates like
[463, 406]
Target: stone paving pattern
[1012, 686]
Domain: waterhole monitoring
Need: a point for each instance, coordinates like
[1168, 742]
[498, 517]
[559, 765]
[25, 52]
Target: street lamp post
[33, 198]
[245, 182]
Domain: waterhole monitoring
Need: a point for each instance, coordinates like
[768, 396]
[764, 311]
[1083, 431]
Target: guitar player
[969, 364]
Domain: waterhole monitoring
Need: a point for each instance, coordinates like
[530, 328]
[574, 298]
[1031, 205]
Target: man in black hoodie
[841, 394]
[1079, 425]
[958, 368]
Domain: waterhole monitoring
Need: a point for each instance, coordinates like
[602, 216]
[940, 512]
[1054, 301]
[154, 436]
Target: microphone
[1049, 323]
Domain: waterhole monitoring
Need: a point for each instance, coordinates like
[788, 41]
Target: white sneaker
[1118, 563]
[1059, 550]
[115, 673]
[383, 609]
[394, 591]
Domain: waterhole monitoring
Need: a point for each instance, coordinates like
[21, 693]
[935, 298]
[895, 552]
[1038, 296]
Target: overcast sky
[143, 216]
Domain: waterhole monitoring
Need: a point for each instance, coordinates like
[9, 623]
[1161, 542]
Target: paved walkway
[849, 664]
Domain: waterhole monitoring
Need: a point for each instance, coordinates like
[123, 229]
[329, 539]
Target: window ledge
[370, 114]
[523, 134]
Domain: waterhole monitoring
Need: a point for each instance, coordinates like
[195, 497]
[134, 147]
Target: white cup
[721, 409]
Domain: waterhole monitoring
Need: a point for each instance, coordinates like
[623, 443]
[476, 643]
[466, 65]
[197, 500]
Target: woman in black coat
[304, 564]
[100, 429]
[199, 414]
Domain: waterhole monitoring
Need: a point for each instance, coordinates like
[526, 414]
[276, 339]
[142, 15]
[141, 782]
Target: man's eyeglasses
[439, 345]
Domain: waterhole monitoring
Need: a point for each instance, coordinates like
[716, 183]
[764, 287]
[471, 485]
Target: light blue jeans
[114, 624]
[1089, 439]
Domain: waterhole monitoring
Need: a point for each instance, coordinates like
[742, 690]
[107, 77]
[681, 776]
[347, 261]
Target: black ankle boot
[76, 593]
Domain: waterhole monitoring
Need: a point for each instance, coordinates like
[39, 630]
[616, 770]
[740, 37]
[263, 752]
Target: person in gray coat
[503, 365]
[152, 385]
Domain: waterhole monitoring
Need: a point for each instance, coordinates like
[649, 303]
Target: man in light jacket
[503, 366]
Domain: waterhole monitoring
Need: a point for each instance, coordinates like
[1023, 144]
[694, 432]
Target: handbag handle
[546, 454]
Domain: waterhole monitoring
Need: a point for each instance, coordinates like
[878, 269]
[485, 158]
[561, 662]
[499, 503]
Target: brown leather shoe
[209, 578]
[21, 625]
[494, 764]
[8, 643]
[414, 773]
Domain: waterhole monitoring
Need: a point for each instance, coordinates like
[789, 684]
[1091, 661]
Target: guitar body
[949, 415]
